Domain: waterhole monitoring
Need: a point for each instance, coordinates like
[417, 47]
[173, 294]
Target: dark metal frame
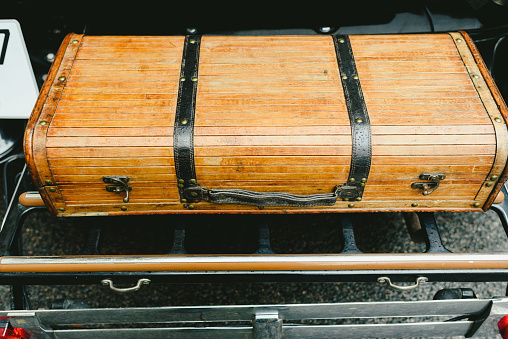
[10, 245]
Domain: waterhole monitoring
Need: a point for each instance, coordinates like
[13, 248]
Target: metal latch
[429, 187]
[119, 185]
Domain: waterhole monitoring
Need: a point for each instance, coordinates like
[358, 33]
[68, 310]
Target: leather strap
[183, 137]
[361, 134]
[261, 199]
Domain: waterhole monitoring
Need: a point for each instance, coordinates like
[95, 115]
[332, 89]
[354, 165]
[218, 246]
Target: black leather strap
[183, 137]
[361, 134]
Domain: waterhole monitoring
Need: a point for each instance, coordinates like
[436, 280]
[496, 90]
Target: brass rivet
[351, 205]
[123, 208]
[194, 78]
[61, 209]
[52, 189]
[43, 122]
[476, 76]
[494, 177]
[359, 120]
[341, 41]
[362, 184]
[48, 182]
[355, 77]
[192, 181]
[181, 181]
[359, 199]
[346, 199]
[180, 185]
[192, 41]
[497, 119]
[182, 79]
[183, 200]
[415, 204]
[62, 78]
[344, 77]
[363, 180]
[459, 40]
[184, 122]
[191, 207]
[476, 204]
[75, 41]
[488, 184]
[351, 179]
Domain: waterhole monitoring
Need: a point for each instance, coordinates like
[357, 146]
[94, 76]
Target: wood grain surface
[270, 117]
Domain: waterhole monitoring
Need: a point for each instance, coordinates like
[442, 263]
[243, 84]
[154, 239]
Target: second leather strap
[361, 135]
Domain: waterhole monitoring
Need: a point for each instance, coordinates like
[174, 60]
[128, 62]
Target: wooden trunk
[270, 116]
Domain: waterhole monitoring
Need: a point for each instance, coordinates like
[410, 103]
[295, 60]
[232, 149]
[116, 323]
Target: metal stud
[192, 181]
[489, 184]
[346, 199]
[351, 179]
[123, 208]
[363, 180]
[494, 177]
[52, 189]
[351, 205]
[182, 79]
[191, 207]
[476, 76]
[344, 77]
[194, 79]
[184, 121]
[458, 40]
[476, 204]
[355, 77]
[43, 122]
[183, 200]
[415, 204]
[359, 199]
[359, 120]
[75, 41]
[62, 78]
[48, 182]
[362, 184]
[192, 41]
[194, 194]
[341, 41]
[180, 185]
[497, 119]
[181, 181]
[61, 209]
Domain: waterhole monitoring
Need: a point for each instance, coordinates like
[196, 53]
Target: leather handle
[267, 199]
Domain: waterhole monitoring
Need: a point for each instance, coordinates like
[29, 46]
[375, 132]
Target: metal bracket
[387, 280]
[109, 282]
[429, 187]
[120, 185]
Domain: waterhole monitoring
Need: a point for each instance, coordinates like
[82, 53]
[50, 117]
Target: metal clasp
[108, 282]
[429, 187]
[387, 280]
[120, 185]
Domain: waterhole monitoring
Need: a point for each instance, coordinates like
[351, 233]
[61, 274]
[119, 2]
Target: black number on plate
[3, 48]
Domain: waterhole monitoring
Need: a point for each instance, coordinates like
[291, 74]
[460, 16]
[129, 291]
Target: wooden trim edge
[501, 104]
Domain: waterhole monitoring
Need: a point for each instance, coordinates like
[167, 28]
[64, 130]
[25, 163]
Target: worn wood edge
[39, 105]
[502, 108]
[29, 147]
